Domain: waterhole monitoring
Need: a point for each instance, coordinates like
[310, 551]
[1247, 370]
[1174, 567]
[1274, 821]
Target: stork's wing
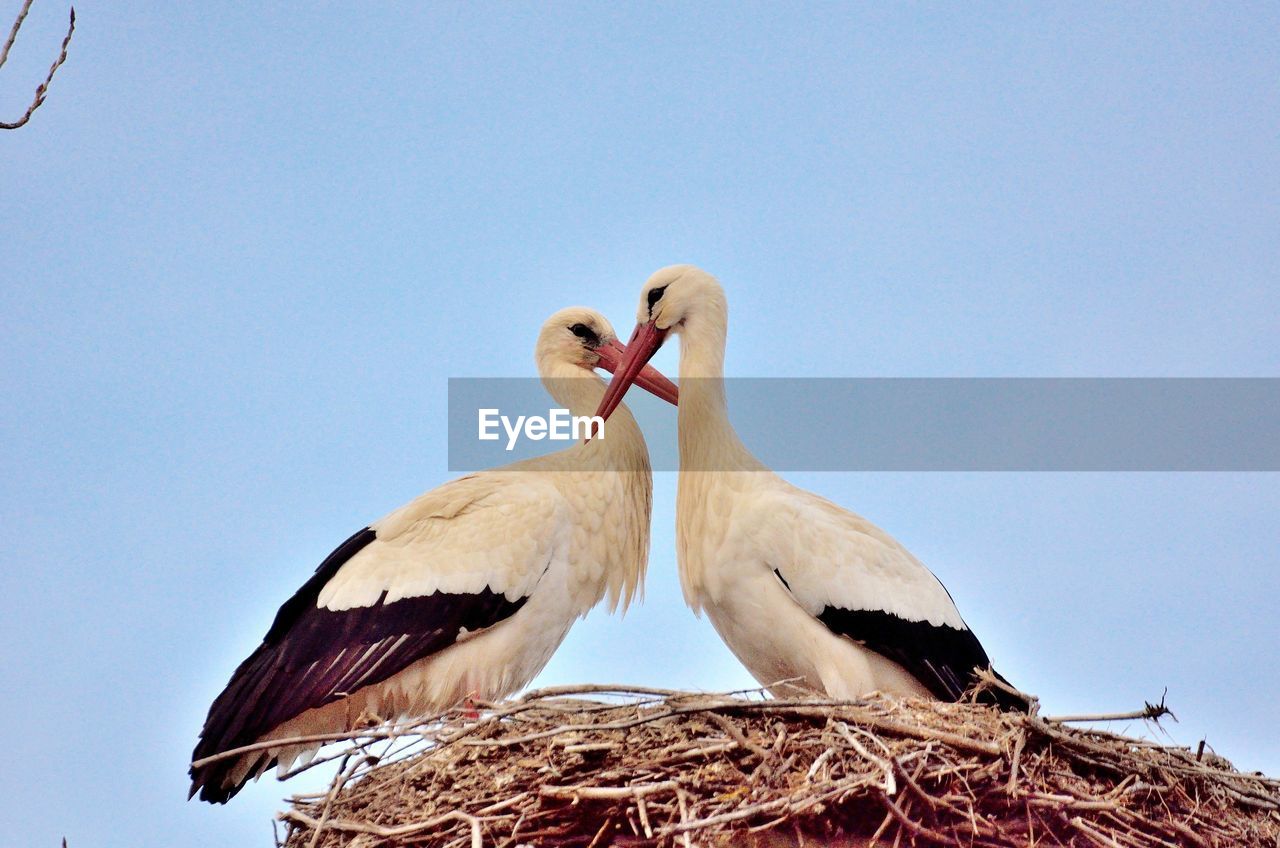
[459, 559]
[941, 657]
[861, 583]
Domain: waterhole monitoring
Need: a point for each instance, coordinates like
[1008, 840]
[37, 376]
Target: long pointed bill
[644, 343]
[650, 379]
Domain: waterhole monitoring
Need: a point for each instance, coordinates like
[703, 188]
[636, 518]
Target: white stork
[797, 587]
[464, 592]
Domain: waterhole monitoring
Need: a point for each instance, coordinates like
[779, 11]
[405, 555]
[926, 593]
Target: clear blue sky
[242, 248]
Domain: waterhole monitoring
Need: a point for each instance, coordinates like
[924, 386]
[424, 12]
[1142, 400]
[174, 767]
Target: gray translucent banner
[925, 424]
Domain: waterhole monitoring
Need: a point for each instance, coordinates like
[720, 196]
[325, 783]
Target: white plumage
[464, 592]
[483, 531]
[799, 588]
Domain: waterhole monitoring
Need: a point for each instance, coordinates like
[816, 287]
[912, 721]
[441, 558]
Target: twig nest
[596, 766]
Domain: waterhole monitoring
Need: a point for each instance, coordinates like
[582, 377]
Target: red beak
[613, 354]
[644, 343]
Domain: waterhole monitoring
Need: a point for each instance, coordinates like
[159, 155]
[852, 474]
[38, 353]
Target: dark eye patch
[655, 295]
[582, 331]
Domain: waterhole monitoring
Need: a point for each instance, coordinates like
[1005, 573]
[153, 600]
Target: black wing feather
[312, 656]
[941, 657]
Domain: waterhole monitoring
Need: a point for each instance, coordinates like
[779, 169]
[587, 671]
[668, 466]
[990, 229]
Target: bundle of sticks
[607, 765]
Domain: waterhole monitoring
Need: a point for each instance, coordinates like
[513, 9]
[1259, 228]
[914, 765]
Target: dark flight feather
[312, 656]
[941, 657]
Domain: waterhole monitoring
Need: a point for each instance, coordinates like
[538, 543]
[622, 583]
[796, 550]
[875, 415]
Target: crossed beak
[613, 356]
[633, 367]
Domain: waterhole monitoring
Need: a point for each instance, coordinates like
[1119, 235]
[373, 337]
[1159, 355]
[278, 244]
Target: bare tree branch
[13, 33]
[43, 88]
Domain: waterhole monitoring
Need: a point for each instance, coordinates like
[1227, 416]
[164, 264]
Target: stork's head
[676, 294]
[671, 300]
[583, 338]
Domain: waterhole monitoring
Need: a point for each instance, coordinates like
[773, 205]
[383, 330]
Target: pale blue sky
[242, 250]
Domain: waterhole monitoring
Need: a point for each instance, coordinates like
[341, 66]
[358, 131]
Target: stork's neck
[615, 466]
[580, 391]
[573, 388]
[708, 441]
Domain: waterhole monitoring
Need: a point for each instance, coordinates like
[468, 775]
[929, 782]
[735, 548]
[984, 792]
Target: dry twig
[43, 88]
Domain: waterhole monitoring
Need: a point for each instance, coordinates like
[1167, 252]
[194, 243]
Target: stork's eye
[582, 331]
[655, 295]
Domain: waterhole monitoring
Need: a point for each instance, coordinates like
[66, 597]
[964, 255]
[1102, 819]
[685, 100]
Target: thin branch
[13, 33]
[389, 832]
[1094, 836]
[736, 734]
[915, 827]
[988, 679]
[1149, 711]
[311, 739]
[43, 88]
[606, 793]
[1015, 762]
[890, 785]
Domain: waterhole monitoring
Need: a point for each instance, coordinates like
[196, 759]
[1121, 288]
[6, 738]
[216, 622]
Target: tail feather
[218, 782]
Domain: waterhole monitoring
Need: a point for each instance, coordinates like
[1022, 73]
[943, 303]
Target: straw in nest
[604, 765]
